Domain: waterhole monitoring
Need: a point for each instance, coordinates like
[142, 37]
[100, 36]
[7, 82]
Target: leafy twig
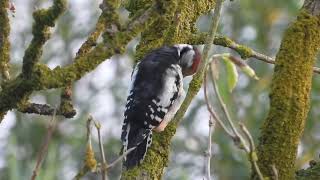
[44, 148]
[212, 112]
[238, 138]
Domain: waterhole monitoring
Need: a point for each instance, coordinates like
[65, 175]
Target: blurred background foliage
[102, 93]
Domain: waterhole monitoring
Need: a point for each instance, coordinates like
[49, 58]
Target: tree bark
[290, 93]
[176, 25]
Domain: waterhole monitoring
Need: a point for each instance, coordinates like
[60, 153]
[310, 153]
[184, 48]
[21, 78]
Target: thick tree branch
[66, 106]
[157, 156]
[44, 19]
[289, 96]
[44, 78]
[312, 6]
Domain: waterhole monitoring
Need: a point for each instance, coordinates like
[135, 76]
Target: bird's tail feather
[141, 139]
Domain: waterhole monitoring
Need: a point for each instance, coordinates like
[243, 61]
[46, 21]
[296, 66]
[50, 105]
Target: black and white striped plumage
[156, 94]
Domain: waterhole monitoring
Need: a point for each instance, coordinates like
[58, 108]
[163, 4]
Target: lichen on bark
[289, 96]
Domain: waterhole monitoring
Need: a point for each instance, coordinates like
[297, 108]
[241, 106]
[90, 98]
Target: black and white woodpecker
[155, 95]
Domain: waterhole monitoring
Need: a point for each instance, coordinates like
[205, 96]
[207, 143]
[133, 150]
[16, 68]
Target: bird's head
[189, 58]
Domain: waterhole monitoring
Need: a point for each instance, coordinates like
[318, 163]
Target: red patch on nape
[196, 60]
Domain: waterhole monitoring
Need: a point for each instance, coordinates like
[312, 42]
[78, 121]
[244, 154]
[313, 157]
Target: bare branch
[104, 162]
[238, 138]
[252, 154]
[44, 147]
[208, 153]
[120, 157]
[90, 162]
[275, 172]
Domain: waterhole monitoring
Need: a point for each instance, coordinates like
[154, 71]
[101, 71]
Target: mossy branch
[42, 109]
[311, 173]
[66, 106]
[289, 96]
[44, 19]
[44, 78]
[244, 51]
[4, 40]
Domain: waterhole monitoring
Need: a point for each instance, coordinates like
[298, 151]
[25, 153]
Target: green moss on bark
[4, 39]
[289, 96]
[44, 19]
[176, 25]
[42, 77]
[311, 173]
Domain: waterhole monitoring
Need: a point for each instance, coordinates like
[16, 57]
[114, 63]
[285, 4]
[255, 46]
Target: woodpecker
[155, 95]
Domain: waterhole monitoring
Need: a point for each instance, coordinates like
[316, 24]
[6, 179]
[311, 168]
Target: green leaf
[215, 70]
[249, 71]
[242, 65]
[232, 73]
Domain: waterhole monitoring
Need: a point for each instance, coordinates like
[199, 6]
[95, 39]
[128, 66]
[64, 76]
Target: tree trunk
[290, 93]
[177, 25]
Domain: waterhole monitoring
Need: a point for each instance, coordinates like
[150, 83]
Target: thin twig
[104, 162]
[88, 125]
[252, 153]
[211, 111]
[208, 153]
[210, 38]
[44, 148]
[238, 137]
[198, 77]
[89, 161]
[275, 172]
[120, 158]
[242, 50]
